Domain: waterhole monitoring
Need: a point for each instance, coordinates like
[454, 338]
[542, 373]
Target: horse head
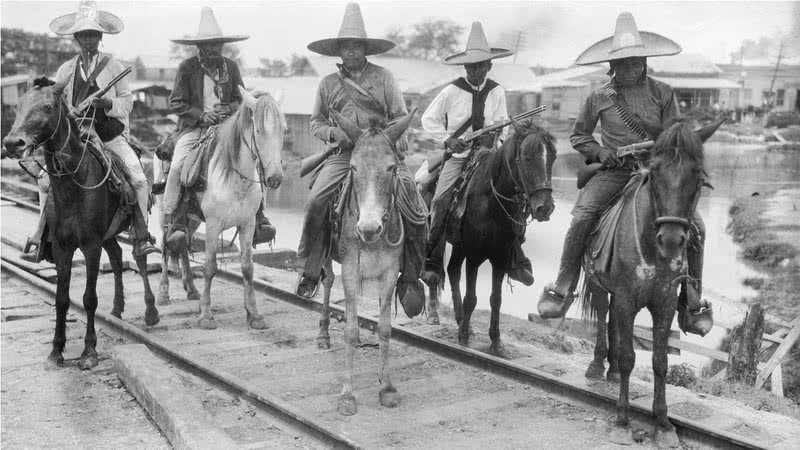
[676, 178]
[40, 113]
[532, 152]
[268, 126]
[373, 172]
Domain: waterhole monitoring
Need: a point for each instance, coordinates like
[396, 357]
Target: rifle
[310, 163]
[586, 172]
[434, 163]
[88, 101]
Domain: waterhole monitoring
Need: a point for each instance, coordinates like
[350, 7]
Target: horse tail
[585, 293]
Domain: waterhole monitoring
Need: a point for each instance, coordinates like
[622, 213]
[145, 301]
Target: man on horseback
[106, 121]
[205, 94]
[362, 92]
[632, 107]
[468, 103]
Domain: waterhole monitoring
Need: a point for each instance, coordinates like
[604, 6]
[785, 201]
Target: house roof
[569, 77]
[138, 85]
[159, 61]
[683, 63]
[699, 82]
[295, 94]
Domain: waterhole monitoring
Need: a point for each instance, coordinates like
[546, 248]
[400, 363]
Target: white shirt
[456, 104]
[209, 96]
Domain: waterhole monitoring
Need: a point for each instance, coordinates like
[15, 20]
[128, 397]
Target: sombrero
[352, 28]
[478, 49]
[628, 42]
[88, 17]
[209, 31]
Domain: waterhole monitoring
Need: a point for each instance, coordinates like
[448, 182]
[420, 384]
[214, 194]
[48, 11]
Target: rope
[647, 270]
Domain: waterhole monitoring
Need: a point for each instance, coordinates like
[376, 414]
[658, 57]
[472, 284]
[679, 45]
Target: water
[735, 170]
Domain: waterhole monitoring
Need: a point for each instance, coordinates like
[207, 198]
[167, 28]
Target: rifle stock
[309, 163]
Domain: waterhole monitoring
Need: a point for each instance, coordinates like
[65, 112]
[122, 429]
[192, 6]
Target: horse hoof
[433, 319]
[257, 323]
[622, 435]
[88, 362]
[497, 348]
[463, 338]
[612, 377]
[151, 317]
[595, 371]
[324, 342]
[54, 361]
[667, 438]
[194, 295]
[163, 300]
[207, 323]
[347, 405]
[389, 397]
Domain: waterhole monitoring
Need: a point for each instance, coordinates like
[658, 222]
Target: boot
[556, 298]
[694, 313]
[143, 245]
[265, 231]
[412, 296]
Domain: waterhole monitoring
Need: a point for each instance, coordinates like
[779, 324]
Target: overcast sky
[556, 31]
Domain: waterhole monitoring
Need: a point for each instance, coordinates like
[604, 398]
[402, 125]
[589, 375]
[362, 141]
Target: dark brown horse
[647, 264]
[82, 210]
[510, 185]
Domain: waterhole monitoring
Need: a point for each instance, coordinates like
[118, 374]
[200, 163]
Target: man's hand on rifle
[608, 158]
[209, 118]
[101, 103]
[339, 136]
[454, 145]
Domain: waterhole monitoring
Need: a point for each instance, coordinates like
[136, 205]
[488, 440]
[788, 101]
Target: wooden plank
[719, 376]
[777, 381]
[683, 345]
[777, 357]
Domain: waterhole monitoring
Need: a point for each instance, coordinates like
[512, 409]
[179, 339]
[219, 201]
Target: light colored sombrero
[628, 42]
[88, 17]
[478, 49]
[352, 28]
[209, 31]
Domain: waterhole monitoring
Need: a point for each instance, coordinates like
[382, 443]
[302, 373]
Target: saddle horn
[707, 131]
[348, 126]
[395, 130]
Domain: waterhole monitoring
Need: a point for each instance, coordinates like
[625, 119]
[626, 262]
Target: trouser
[119, 146]
[440, 204]
[592, 200]
[316, 235]
[173, 188]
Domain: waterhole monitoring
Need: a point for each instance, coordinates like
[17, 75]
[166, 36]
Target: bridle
[256, 156]
[661, 218]
[519, 183]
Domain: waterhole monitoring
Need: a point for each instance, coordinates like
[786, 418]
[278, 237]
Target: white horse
[246, 153]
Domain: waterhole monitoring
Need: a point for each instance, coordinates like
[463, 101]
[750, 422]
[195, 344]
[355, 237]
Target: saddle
[195, 166]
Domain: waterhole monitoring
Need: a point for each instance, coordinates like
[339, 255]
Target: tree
[431, 39]
[179, 52]
[24, 51]
[300, 66]
[273, 68]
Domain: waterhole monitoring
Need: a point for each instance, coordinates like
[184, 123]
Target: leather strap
[349, 86]
[101, 64]
[624, 113]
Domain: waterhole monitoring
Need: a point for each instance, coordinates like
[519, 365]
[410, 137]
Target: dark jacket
[186, 99]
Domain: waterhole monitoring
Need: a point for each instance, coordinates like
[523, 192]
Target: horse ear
[517, 127]
[705, 132]
[350, 129]
[394, 131]
[247, 97]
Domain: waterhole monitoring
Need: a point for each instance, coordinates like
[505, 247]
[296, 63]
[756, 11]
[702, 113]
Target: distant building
[156, 68]
[13, 87]
[755, 78]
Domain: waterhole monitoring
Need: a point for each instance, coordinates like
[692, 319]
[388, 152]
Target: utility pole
[774, 76]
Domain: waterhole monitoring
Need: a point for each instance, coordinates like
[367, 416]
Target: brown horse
[510, 185]
[648, 262]
[82, 210]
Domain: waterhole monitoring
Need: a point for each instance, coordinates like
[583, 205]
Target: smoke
[768, 47]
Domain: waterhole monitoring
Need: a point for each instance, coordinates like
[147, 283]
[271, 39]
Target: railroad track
[448, 381]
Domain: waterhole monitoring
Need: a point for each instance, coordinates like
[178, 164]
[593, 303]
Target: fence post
[746, 347]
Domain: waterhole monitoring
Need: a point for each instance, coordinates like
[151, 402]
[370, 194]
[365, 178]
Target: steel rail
[274, 406]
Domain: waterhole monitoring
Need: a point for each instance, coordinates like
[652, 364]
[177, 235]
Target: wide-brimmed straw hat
[209, 31]
[352, 29]
[628, 42]
[88, 17]
[478, 49]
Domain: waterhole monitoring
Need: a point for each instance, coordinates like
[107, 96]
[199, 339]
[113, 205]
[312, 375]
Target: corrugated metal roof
[683, 63]
[699, 83]
[159, 61]
[295, 94]
[567, 77]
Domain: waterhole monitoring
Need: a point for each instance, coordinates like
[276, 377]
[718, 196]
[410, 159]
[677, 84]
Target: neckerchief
[219, 75]
[478, 100]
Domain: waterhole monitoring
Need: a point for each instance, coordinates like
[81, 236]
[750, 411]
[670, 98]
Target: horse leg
[254, 319]
[115, 258]
[188, 276]
[347, 401]
[613, 346]
[470, 300]
[212, 243]
[63, 259]
[324, 338]
[622, 434]
[495, 300]
[600, 306]
[388, 394]
[454, 274]
[150, 312]
[163, 285]
[88, 358]
[666, 437]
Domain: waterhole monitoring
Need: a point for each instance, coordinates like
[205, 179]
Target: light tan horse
[370, 246]
[246, 154]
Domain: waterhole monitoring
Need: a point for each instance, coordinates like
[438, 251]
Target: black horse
[510, 185]
[83, 207]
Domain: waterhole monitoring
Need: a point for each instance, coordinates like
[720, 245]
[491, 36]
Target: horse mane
[230, 134]
[43, 82]
[516, 139]
[676, 142]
